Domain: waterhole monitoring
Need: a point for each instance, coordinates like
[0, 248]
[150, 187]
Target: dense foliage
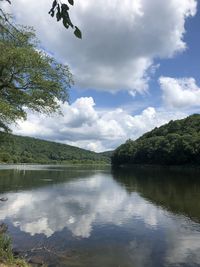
[175, 143]
[18, 149]
[29, 78]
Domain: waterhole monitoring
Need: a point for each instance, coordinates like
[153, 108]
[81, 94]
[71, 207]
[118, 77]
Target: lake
[97, 217]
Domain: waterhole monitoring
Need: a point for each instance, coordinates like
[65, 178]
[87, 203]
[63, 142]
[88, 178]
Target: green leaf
[78, 33]
[65, 23]
[66, 18]
[58, 14]
[54, 4]
[52, 13]
[71, 2]
[64, 7]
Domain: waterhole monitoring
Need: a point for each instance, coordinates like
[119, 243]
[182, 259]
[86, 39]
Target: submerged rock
[3, 199]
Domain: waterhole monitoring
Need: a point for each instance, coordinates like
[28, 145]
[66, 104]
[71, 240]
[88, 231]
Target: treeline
[175, 143]
[18, 149]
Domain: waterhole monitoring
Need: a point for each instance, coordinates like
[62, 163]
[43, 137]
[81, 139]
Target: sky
[136, 67]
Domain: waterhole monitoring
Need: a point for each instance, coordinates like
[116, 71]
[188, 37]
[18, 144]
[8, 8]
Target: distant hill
[107, 154]
[19, 149]
[175, 143]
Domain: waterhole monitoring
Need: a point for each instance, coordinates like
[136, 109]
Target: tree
[175, 143]
[61, 10]
[29, 78]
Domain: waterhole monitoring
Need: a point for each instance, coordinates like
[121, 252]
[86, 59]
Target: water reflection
[98, 218]
[175, 190]
[76, 205]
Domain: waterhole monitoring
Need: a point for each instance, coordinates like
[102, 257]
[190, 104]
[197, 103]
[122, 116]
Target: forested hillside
[18, 149]
[175, 143]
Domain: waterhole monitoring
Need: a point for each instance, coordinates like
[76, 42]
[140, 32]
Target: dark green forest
[18, 149]
[175, 143]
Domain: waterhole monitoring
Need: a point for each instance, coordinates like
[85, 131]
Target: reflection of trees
[175, 190]
[23, 179]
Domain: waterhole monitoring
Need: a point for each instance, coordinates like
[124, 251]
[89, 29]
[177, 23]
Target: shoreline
[156, 166]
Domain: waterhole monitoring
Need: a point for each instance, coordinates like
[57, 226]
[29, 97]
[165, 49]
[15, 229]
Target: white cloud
[184, 249]
[93, 199]
[121, 39]
[85, 126]
[108, 202]
[180, 93]
[80, 204]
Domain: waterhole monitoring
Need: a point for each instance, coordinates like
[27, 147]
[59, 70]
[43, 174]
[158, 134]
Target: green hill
[18, 149]
[175, 143]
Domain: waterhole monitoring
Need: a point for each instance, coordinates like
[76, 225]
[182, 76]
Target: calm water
[100, 218]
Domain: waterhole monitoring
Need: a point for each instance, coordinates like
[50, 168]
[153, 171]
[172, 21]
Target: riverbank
[157, 167]
[7, 257]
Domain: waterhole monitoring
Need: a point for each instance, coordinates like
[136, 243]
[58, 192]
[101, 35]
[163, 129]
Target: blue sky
[137, 67]
[186, 64]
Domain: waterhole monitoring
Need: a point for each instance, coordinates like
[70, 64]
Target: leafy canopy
[29, 78]
[175, 143]
[19, 149]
